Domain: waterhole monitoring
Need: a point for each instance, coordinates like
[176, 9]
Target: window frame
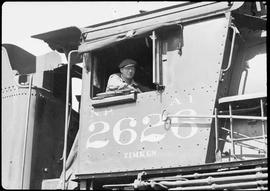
[157, 74]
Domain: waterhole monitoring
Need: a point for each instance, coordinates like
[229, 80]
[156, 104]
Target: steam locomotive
[201, 125]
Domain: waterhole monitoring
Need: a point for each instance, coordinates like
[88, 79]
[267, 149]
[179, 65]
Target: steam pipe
[211, 180]
[224, 186]
[258, 188]
[191, 184]
[198, 175]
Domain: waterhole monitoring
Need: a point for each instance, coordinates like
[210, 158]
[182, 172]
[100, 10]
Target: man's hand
[134, 88]
[127, 87]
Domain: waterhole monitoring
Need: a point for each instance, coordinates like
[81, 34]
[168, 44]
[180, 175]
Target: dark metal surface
[20, 60]
[62, 40]
[44, 134]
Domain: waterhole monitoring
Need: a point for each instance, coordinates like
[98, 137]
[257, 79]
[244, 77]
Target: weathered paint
[119, 140]
[113, 138]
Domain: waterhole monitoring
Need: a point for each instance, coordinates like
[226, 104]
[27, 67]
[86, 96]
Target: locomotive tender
[202, 125]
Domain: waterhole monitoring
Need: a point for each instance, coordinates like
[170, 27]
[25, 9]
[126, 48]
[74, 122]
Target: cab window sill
[99, 102]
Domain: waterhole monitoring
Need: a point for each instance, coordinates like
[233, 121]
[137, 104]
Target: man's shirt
[115, 82]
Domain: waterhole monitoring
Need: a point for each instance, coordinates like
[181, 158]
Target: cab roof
[100, 35]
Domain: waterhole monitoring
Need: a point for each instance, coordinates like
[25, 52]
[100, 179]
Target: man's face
[128, 72]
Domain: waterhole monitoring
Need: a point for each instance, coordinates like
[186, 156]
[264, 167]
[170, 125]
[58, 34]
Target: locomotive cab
[200, 122]
[196, 69]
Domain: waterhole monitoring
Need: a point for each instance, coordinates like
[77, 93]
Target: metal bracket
[138, 183]
[139, 176]
[160, 88]
[181, 38]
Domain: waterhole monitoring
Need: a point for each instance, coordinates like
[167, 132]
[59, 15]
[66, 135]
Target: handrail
[243, 144]
[167, 119]
[231, 128]
[235, 30]
[263, 131]
[218, 116]
[216, 132]
[249, 138]
[240, 134]
[66, 118]
[26, 127]
[153, 37]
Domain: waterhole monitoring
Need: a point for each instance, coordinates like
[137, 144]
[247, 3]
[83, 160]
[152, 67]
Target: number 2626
[144, 136]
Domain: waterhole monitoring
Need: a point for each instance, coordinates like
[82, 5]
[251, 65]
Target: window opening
[148, 50]
[168, 39]
[105, 62]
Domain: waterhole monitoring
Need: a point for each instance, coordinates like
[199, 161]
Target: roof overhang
[99, 36]
[62, 40]
[103, 34]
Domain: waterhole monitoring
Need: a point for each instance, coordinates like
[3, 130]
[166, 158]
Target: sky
[21, 20]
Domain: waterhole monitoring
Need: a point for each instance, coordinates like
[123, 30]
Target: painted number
[151, 137]
[184, 126]
[124, 135]
[117, 132]
[99, 143]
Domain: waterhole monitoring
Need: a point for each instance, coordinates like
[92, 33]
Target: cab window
[148, 50]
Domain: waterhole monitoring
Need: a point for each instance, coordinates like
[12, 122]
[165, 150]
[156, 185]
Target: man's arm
[115, 83]
[143, 88]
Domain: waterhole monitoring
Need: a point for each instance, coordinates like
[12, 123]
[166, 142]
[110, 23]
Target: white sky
[21, 20]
